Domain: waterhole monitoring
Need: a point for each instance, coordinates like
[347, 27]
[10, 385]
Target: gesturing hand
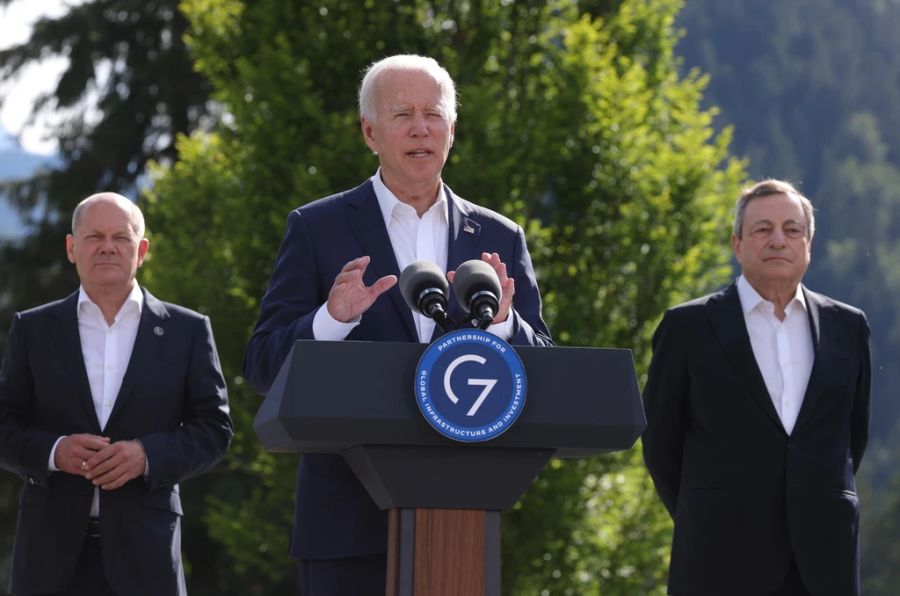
[507, 285]
[74, 450]
[349, 297]
[115, 465]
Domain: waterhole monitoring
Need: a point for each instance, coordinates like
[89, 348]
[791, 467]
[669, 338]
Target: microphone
[477, 288]
[425, 289]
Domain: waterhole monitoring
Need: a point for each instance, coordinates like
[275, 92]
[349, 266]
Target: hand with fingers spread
[507, 285]
[112, 467]
[349, 297]
[73, 452]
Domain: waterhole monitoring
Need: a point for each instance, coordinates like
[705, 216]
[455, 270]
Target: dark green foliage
[812, 90]
[150, 94]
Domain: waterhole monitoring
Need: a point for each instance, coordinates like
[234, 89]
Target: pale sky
[20, 91]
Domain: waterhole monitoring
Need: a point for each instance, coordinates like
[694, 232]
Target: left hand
[507, 285]
[111, 467]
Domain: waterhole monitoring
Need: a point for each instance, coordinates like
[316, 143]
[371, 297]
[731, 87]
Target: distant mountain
[15, 163]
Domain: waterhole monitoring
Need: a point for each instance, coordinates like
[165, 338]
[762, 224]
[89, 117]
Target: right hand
[74, 450]
[349, 297]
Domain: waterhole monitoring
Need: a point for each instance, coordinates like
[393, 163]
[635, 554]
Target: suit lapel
[462, 241]
[820, 365]
[367, 223]
[729, 325]
[151, 335]
[68, 339]
[462, 245]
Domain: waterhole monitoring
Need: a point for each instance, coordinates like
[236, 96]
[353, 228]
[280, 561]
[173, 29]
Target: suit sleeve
[288, 307]
[666, 406]
[206, 428]
[528, 326]
[860, 414]
[24, 450]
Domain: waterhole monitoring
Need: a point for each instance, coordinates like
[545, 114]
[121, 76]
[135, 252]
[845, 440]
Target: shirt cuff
[51, 465]
[326, 327]
[503, 330]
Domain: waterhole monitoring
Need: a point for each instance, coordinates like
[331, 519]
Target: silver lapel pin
[158, 330]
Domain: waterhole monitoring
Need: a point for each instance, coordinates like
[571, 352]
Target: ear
[367, 129]
[70, 247]
[143, 247]
[736, 247]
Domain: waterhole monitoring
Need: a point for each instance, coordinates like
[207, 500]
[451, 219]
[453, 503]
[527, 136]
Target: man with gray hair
[108, 400]
[757, 405]
[335, 278]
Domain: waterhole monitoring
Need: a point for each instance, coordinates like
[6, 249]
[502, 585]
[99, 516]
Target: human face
[774, 248]
[105, 248]
[412, 134]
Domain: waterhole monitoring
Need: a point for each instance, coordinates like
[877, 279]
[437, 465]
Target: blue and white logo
[470, 385]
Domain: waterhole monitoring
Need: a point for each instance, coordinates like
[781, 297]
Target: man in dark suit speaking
[335, 278]
[757, 408]
[108, 399]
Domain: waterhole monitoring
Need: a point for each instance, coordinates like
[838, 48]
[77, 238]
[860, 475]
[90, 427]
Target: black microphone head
[475, 277]
[417, 278]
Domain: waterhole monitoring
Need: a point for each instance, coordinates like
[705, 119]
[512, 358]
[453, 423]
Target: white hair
[407, 62]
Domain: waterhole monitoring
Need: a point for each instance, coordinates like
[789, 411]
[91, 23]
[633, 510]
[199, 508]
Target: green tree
[129, 88]
[796, 80]
[573, 121]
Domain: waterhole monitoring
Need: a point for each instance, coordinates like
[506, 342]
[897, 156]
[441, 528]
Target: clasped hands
[349, 297]
[107, 465]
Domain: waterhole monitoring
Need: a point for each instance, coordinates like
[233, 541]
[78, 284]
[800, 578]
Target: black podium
[444, 498]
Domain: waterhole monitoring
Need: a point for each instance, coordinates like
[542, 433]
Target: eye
[761, 231]
[794, 232]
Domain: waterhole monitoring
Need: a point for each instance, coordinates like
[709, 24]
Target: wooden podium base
[443, 552]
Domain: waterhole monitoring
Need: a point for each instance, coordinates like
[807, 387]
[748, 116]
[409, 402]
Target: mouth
[419, 153]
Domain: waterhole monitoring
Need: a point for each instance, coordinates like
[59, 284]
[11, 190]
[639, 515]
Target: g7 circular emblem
[470, 385]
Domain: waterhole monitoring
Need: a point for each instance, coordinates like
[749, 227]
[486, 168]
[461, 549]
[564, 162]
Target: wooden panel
[449, 552]
[393, 553]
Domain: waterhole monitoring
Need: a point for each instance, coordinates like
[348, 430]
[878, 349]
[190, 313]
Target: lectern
[444, 498]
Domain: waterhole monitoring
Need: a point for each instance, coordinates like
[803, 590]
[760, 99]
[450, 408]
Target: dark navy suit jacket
[335, 517]
[173, 399]
[745, 495]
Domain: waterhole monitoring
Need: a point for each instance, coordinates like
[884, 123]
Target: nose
[419, 125]
[777, 239]
[108, 245]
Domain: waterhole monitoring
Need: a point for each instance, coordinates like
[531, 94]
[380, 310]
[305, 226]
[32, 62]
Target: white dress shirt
[413, 239]
[106, 350]
[783, 349]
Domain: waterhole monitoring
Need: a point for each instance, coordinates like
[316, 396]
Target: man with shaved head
[108, 400]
